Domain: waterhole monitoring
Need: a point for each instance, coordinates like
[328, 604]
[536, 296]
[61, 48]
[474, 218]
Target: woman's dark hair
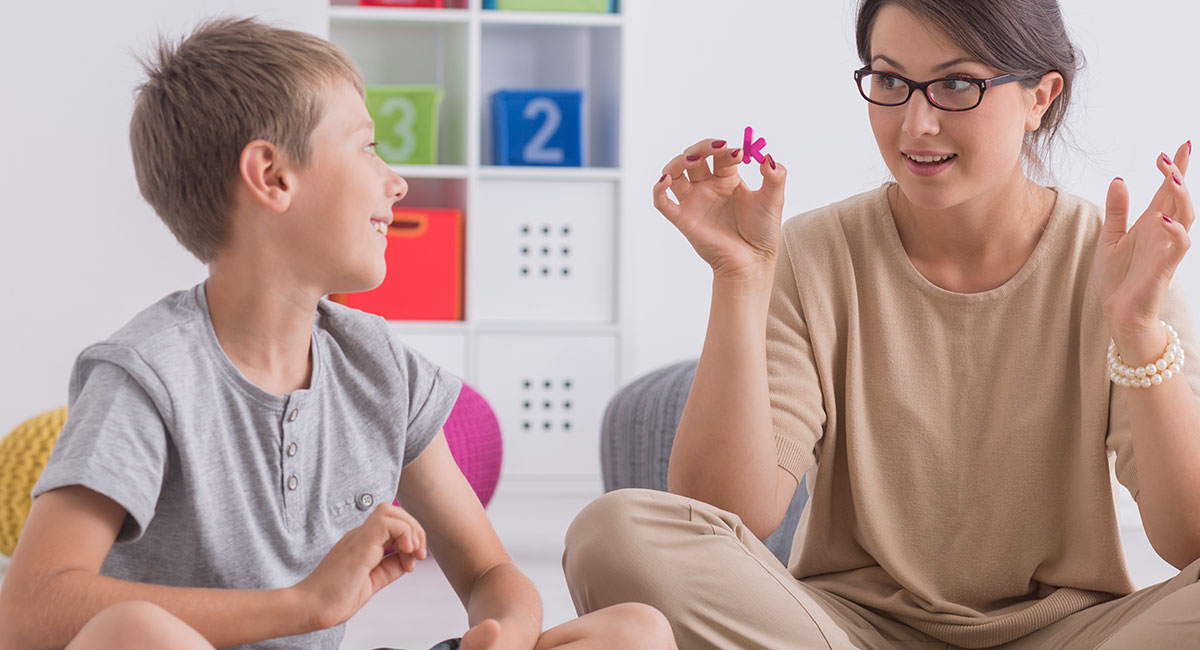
[1025, 37]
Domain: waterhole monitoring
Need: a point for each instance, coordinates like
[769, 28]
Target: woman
[934, 368]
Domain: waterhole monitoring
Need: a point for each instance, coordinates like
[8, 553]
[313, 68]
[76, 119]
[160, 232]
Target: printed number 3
[535, 149]
[403, 149]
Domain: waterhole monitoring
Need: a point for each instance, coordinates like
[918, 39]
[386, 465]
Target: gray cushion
[639, 427]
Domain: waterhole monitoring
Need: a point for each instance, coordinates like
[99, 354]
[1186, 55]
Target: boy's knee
[138, 625]
[126, 615]
[642, 626]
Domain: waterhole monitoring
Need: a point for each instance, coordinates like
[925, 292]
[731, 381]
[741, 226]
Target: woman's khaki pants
[722, 589]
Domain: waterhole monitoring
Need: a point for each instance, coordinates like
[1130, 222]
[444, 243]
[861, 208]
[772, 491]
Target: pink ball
[473, 433]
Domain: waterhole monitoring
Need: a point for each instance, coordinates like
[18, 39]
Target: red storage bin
[424, 268]
[431, 4]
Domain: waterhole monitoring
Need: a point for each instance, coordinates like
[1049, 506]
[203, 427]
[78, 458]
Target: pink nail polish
[692, 158]
[1176, 177]
[664, 177]
[1168, 219]
[1189, 147]
[1166, 159]
[717, 144]
[737, 153]
[1120, 179]
[771, 160]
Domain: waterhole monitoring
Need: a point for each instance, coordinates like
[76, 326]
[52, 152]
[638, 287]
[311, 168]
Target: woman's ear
[1044, 94]
[264, 175]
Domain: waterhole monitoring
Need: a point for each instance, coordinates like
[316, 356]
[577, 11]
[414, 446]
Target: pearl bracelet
[1153, 374]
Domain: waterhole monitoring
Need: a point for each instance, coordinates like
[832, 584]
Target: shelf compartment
[496, 17]
[549, 393]
[501, 172]
[356, 14]
[406, 52]
[542, 252]
[523, 55]
[436, 193]
[455, 10]
[431, 171]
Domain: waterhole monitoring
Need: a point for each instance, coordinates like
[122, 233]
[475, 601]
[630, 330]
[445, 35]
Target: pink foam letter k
[752, 148]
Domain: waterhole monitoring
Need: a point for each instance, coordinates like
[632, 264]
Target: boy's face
[343, 198]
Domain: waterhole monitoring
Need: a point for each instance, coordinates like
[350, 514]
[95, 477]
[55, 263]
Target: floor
[421, 609]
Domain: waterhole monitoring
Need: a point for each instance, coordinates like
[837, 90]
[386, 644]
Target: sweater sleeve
[797, 407]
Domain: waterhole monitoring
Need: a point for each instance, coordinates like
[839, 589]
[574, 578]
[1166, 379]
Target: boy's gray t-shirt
[227, 485]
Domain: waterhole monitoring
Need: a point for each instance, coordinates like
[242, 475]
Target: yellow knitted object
[23, 454]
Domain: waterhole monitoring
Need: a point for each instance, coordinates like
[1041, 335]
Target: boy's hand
[356, 568]
[485, 636]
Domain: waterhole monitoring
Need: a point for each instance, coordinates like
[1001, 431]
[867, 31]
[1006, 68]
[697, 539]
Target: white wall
[80, 252]
[708, 68]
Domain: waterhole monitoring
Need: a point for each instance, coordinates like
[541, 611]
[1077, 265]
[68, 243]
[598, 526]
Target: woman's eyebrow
[949, 64]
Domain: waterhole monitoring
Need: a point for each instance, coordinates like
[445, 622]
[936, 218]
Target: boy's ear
[265, 175]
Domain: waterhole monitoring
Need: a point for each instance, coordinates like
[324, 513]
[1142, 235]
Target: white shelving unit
[543, 337]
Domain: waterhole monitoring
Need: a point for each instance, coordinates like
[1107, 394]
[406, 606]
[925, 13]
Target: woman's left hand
[1133, 269]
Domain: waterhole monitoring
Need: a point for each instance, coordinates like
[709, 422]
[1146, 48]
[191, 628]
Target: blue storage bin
[538, 126]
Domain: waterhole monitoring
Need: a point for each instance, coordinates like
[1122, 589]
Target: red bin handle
[408, 224]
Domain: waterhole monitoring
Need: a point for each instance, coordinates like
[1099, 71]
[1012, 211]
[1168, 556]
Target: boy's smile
[344, 197]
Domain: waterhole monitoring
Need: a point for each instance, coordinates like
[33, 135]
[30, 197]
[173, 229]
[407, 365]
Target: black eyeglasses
[955, 94]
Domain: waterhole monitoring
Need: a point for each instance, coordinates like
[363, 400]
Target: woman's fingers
[683, 172]
[695, 159]
[674, 169]
[1172, 198]
[1185, 211]
[662, 202]
[691, 166]
[726, 161]
[1180, 242]
[1116, 213]
[1183, 156]
[1163, 200]
[774, 177]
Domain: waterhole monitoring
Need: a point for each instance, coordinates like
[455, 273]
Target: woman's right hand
[734, 229]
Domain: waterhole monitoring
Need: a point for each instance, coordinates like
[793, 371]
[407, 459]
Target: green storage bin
[406, 122]
[588, 6]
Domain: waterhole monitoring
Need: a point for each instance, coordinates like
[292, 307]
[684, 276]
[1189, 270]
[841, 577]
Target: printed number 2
[403, 128]
[535, 149]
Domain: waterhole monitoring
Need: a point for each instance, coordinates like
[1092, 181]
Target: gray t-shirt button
[292, 482]
[291, 449]
[293, 414]
[364, 501]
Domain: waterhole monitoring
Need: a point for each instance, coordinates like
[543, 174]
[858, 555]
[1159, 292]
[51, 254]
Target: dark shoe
[448, 644]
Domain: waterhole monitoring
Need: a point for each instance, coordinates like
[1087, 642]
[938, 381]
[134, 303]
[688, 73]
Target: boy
[226, 474]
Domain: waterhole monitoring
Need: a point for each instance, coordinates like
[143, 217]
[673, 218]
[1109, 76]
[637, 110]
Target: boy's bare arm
[467, 548]
[53, 586]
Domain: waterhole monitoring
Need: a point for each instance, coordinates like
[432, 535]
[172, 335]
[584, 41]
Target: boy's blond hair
[230, 82]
